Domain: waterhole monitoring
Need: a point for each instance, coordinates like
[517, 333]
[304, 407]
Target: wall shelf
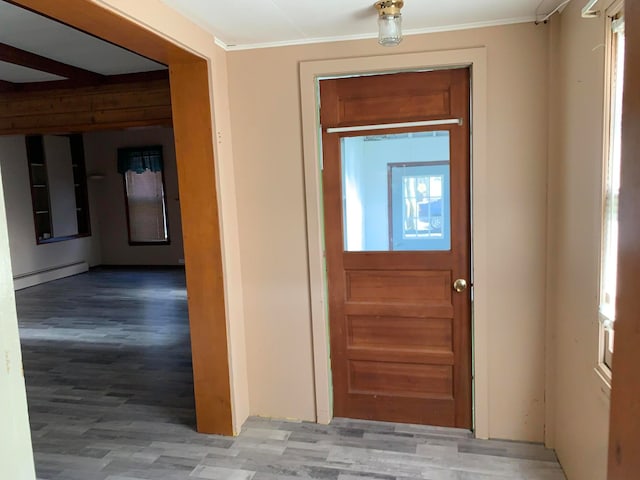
[40, 188]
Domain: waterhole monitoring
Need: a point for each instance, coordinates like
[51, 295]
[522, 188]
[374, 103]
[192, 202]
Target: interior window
[142, 171]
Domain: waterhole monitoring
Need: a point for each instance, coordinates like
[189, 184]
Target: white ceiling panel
[240, 21]
[248, 23]
[33, 33]
[18, 74]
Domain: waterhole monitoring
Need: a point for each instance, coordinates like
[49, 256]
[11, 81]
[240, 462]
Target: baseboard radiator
[37, 277]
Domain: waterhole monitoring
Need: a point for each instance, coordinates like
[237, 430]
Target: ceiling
[241, 24]
[24, 33]
[36, 49]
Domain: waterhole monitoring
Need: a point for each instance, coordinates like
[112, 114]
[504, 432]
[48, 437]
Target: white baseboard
[26, 280]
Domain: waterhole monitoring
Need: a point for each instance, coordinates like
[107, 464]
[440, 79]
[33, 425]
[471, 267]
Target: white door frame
[310, 72]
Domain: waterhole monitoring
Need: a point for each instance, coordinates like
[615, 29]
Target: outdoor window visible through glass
[422, 209]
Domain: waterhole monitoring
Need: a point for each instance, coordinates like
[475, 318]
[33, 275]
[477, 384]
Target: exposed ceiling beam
[4, 85]
[17, 56]
[133, 103]
[65, 84]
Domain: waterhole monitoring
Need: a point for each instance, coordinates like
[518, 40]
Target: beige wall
[26, 256]
[575, 176]
[271, 289]
[16, 457]
[265, 115]
[101, 149]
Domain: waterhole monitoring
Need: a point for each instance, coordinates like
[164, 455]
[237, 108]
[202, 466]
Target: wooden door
[397, 234]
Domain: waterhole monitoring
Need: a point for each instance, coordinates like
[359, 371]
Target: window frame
[605, 324]
[133, 243]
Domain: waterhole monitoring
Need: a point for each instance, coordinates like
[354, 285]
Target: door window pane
[396, 192]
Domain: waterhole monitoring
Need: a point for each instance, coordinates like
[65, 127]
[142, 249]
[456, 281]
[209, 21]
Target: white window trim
[602, 370]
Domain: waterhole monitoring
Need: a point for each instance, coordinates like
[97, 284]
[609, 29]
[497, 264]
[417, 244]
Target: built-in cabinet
[58, 181]
[39, 187]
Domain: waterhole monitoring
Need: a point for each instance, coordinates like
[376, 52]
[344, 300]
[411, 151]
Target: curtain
[139, 160]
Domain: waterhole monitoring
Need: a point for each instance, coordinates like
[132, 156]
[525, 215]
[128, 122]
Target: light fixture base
[389, 7]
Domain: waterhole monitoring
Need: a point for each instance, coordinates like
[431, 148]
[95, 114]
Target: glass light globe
[389, 30]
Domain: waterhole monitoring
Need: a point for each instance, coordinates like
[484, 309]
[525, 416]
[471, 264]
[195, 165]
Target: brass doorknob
[460, 285]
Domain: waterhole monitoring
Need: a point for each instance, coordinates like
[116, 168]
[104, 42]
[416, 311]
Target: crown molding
[342, 38]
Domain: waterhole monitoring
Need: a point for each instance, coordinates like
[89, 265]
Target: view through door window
[397, 192]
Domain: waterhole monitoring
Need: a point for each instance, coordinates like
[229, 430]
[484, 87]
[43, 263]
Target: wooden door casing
[400, 335]
[624, 436]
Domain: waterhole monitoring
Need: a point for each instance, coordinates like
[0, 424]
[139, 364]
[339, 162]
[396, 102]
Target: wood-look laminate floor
[109, 384]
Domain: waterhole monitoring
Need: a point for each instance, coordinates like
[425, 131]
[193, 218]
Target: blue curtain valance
[139, 160]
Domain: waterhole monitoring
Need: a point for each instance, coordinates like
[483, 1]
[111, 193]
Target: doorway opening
[190, 109]
[310, 73]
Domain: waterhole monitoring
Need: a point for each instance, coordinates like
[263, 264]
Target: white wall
[62, 194]
[16, 457]
[26, 256]
[101, 150]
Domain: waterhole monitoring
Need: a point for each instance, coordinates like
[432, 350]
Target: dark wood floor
[109, 385]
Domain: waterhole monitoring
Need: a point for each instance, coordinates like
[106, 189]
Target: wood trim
[203, 253]
[193, 133]
[17, 56]
[624, 441]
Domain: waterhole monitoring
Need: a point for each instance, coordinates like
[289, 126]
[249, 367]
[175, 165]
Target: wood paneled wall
[81, 109]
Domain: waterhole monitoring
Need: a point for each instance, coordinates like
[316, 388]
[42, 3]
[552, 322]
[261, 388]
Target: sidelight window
[611, 188]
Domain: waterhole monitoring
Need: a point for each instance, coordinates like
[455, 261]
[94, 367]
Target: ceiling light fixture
[389, 22]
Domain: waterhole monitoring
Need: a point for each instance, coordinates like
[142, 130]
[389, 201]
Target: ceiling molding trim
[416, 31]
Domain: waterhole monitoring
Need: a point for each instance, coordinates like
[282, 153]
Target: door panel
[398, 286]
[397, 229]
[363, 100]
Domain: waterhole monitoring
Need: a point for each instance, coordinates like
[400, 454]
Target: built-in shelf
[40, 188]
